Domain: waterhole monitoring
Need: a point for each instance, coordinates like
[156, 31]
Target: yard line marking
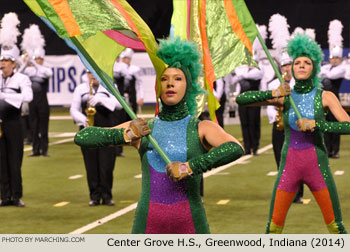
[338, 172]
[244, 162]
[133, 206]
[222, 173]
[61, 118]
[54, 143]
[61, 204]
[76, 176]
[222, 202]
[306, 201]
[61, 134]
[105, 219]
[272, 173]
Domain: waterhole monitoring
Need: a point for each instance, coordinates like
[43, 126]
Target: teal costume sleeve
[93, 137]
[251, 97]
[221, 155]
[333, 127]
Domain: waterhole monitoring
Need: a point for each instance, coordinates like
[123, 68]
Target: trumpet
[279, 116]
[90, 111]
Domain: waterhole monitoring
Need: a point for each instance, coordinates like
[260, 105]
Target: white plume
[279, 31]
[32, 39]
[297, 30]
[311, 33]
[9, 30]
[334, 33]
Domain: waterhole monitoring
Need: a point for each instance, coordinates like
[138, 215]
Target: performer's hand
[94, 100]
[305, 124]
[178, 170]
[140, 102]
[137, 129]
[86, 123]
[282, 90]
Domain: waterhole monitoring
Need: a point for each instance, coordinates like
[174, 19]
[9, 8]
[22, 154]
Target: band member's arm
[26, 94]
[75, 109]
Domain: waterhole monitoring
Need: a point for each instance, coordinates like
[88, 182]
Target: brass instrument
[279, 119]
[90, 111]
[279, 116]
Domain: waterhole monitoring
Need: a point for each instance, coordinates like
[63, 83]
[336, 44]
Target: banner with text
[68, 72]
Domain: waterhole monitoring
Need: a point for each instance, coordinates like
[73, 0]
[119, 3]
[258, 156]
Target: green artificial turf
[246, 186]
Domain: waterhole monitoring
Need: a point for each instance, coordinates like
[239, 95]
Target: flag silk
[224, 30]
[103, 29]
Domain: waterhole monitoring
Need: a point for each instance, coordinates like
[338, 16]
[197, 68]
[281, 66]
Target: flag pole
[117, 95]
[277, 72]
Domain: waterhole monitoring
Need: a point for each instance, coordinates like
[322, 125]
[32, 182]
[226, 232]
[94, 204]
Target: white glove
[94, 100]
[2, 96]
[324, 71]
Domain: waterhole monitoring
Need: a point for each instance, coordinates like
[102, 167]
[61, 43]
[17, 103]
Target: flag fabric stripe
[210, 77]
[236, 25]
[124, 40]
[129, 20]
[188, 18]
[35, 7]
[102, 55]
[96, 16]
[51, 15]
[208, 66]
[179, 20]
[65, 14]
[245, 19]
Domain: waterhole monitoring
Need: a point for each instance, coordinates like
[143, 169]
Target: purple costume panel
[166, 191]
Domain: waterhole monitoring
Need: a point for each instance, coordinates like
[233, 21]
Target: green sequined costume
[166, 206]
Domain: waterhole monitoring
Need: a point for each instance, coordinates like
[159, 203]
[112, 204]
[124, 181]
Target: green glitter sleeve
[333, 127]
[221, 155]
[93, 137]
[250, 97]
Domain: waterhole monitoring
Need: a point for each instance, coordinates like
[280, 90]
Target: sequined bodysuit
[166, 206]
[304, 160]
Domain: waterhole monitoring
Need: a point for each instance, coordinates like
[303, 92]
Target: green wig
[305, 46]
[184, 55]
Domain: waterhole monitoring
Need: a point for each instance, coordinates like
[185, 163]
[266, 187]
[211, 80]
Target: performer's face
[173, 83]
[302, 68]
[7, 67]
[40, 61]
[92, 78]
[335, 61]
[287, 69]
[126, 60]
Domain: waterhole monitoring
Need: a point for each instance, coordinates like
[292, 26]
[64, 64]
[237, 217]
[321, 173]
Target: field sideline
[236, 199]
